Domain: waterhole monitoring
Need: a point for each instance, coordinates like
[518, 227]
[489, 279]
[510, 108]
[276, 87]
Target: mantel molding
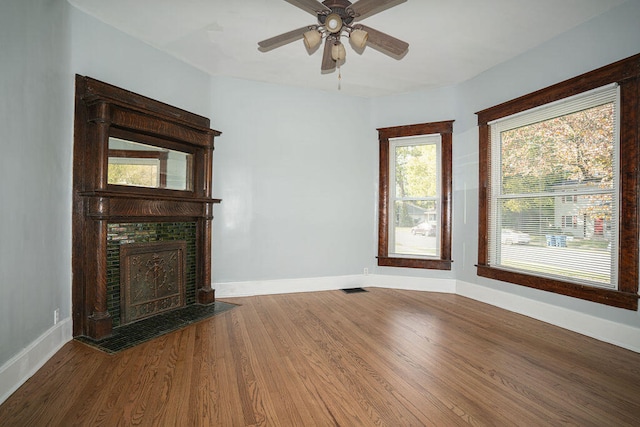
[103, 112]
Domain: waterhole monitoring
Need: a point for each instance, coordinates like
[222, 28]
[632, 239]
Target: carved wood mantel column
[144, 128]
[205, 293]
[99, 321]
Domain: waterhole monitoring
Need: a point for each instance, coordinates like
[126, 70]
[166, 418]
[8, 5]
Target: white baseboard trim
[17, 370]
[624, 336]
[447, 286]
[287, 286]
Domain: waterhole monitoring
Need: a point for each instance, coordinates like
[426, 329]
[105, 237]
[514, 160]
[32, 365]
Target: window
[415, 196]
[552, 178]
[570, 221]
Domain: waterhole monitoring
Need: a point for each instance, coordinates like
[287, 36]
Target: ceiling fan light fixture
[338, 52]
[359, 38]
[312, 39]
[333, 23]
[335, 19]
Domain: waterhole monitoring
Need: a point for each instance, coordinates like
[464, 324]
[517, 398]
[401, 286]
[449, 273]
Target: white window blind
[554, 190]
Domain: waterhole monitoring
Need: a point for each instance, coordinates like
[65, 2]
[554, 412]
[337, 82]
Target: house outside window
[415, 196]
[559, 174]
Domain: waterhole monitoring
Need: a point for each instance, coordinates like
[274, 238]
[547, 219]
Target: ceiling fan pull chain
[339, 78]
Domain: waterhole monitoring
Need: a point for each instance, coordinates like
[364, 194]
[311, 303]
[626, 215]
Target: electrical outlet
[56, 316]
[366, 271]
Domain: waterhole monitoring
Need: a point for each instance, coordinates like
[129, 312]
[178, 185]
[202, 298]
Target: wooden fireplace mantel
[103, 111]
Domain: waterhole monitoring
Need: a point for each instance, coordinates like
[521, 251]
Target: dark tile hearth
[144, 330]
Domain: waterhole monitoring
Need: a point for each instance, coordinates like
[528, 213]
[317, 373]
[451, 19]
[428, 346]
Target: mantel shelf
[145, 196]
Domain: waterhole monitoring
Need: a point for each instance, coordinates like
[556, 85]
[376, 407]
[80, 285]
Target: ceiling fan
[336, 19]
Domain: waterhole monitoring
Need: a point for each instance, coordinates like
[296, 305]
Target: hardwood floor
[384, 357]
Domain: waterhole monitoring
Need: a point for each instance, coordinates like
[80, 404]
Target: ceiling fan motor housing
[331, 20]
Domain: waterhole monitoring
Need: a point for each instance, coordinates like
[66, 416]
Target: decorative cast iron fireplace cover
[152, 278]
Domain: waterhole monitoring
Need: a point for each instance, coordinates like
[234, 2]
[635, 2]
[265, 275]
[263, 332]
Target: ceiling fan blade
[311, 6]
[386, 44]
[282, 39]
[366, 8]
[328, 64]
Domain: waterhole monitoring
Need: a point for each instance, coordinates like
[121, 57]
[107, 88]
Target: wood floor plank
[361, 359]
[304, 378]
[430, 369]
[278, 374]
[383, 357]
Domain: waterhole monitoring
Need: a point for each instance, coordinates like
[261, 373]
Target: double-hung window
[558, 174]
[415, 195]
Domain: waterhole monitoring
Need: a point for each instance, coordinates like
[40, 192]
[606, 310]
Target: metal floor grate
[353, 290]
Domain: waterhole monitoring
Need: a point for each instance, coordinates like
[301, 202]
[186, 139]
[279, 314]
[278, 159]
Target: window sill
[610, 297]
[432, 264]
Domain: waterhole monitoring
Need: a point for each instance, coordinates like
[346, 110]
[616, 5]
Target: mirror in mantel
[141, 165]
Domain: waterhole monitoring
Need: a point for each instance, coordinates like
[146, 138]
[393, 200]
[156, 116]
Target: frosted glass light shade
[333, 23]
[359, 38]
[312, 39]
[338, 52]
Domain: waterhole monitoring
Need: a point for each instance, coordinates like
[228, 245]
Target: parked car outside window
[513, 237]
[424, 229]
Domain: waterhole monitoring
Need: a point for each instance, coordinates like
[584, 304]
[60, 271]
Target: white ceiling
[450, 40]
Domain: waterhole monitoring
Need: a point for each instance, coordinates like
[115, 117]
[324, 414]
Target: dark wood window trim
[445, 129]
[627, 74]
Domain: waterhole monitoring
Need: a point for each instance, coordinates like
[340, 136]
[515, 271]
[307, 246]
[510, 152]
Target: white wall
[104, 53]
[35, 165]
[610, 37]
[297, 172]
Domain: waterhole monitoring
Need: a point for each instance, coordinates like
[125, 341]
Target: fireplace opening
[147, 264]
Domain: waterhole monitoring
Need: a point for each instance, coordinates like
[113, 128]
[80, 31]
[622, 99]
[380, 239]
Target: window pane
[571, 149]
[416, 171]
[415, 228]
[549, 237]
[415, 203]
